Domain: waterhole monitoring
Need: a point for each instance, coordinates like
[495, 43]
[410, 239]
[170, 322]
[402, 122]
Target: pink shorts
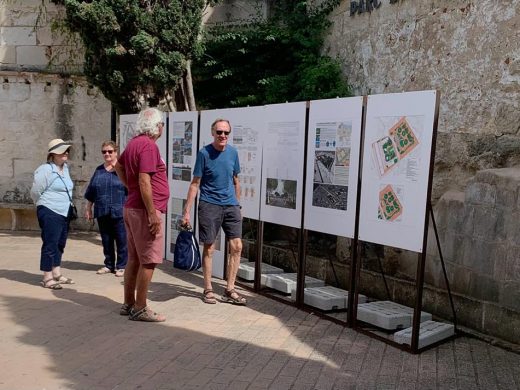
[142, 245]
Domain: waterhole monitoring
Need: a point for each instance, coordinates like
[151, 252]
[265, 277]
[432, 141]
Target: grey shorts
[212, 217]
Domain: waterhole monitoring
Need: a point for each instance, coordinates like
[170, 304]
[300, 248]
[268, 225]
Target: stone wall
[39, 102]
[468, 50]
[31, 39]
[36, 108]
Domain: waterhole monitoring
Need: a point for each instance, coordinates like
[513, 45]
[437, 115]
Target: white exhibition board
[283, 162]
[182, 150]
[396, 167]
[247, 126]
[127, 126]
[332, 165]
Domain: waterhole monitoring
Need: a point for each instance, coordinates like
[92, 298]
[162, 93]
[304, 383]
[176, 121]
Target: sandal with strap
[207, 298]
[104, 270]
[237, 299]
[63, 280]
[146, 315]
[126, 309]
[52, 286]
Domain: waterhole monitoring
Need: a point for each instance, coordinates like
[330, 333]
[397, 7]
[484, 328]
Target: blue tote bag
[186, 255]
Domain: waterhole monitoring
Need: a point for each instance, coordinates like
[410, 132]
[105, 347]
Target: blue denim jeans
[113, 231]
[55, 229]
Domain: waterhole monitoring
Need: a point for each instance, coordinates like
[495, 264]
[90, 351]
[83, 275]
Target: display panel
[283, 162]
[396, 167]
[332, 165]
[182, 150]
[247, 125]
[127, 126]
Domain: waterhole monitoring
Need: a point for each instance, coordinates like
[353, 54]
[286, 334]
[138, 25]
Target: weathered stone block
[31, 56]
[507, 264]
[510, 295]
[485, 223]
[481, 193]
[483, 287]
[15, 93]
[453, 248]
[15, 36]
[478, 255]
[7, 54]
[506, 199]
[469, 312]
[459, 277]
[501, 322]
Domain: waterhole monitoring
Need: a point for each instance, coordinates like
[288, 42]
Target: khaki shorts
[142, 245]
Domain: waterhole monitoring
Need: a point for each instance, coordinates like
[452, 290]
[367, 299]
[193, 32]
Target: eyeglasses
[220, 132]
[107, 151]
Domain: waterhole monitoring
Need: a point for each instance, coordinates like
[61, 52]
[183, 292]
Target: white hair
[148, 121]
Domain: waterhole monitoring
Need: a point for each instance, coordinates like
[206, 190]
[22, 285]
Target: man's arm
[120, 170]
[236, 183]
[145, 186]
[192, 193]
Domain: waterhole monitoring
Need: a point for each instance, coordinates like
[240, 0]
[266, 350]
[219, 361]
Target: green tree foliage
[137, 49]
[270, 60]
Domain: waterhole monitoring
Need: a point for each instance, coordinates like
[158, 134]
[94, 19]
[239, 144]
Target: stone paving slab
[75, 339]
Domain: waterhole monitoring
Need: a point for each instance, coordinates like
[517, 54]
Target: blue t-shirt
[216, 170]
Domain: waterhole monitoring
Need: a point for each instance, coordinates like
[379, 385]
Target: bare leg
[56, 271]
[235, 250]
[131, 271]
[144, 277]
[207, 264]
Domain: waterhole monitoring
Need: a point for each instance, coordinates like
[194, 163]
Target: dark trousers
[113, 234]
[55, 228]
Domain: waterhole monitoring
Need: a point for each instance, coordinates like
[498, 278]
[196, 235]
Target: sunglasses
[220, 132]
[107, 151]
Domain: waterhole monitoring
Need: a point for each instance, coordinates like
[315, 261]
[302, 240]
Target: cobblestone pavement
[74, 338]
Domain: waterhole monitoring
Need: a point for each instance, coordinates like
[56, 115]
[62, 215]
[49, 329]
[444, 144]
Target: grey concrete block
[388, 315]
[287, 282]
[246, 270]
[429, 332]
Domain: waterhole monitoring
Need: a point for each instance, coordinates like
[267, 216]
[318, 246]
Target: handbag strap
[63, 181]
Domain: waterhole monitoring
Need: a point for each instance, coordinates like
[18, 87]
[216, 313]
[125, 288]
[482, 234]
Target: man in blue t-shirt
[216, 175]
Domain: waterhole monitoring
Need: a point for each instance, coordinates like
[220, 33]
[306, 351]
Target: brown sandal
[206, 298]
[235, 300]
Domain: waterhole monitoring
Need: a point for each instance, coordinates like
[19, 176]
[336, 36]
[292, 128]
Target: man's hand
[186, 218]
[88, 214]
[154, 224]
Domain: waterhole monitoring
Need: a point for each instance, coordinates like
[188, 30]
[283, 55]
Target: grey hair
[148, 121]
[214, 124]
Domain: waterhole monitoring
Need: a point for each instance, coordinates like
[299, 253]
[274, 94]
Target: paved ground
[75, 339]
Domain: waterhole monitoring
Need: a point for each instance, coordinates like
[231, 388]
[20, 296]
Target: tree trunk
[189, 88]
